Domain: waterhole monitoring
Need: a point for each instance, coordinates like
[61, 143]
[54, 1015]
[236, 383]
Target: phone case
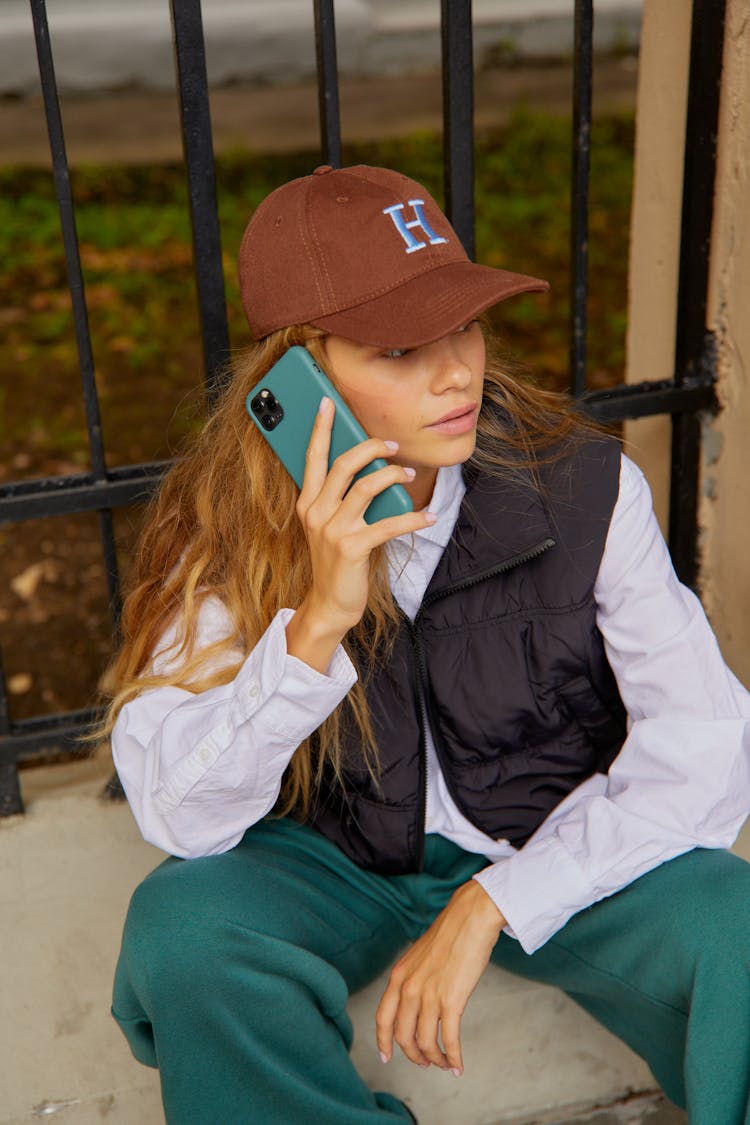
[284, 404]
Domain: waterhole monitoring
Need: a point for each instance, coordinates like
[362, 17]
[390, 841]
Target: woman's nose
[450, 369]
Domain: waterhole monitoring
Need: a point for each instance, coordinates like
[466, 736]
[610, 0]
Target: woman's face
[405, 396]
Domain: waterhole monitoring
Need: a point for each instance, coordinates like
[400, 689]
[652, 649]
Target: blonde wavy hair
[224, 524]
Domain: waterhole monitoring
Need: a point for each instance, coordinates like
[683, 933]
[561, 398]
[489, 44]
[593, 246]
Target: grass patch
[134, 233]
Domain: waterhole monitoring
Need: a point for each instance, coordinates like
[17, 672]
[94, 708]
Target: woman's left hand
[430, 985]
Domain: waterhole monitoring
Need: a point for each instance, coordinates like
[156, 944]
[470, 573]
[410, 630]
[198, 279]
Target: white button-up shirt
[199, 769]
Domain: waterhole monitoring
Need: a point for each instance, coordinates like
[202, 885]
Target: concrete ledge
[66, 873]
[67, 870]
[527, 1049]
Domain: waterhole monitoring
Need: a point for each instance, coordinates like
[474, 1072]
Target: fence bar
[691, 390]
[111, 569]
[579, 197]
[11, 801]
[644, 400]
[695, 348]
[77, 292]
[70, 235]
[47, 733]
[458, 118]
[197, 145]
[328, 82]
[10, 791]
[4, 712]
[58, 496]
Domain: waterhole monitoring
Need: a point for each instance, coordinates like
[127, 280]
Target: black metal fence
[683, 397]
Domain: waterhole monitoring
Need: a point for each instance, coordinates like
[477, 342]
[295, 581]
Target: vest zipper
[419, 673]
[421, 670]
[501, 568]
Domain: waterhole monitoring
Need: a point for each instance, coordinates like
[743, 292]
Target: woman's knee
[715, 892]
[175, 917]
[706, 914]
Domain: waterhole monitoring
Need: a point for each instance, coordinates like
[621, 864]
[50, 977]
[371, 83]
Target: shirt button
[501, 840]
[204, 754]
[254, 691]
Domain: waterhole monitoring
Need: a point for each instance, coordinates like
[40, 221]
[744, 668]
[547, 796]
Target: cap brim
[428, 306]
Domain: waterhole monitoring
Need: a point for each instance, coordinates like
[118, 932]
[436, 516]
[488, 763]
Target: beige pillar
[663, 70]
[725, 511]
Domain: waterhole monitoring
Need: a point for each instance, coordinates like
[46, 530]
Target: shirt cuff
[302, 696]
[282, 699]
[521, 886]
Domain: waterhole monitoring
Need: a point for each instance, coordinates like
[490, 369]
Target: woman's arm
[199, 769]
[682, 777]
[681, 780]
[431, 984]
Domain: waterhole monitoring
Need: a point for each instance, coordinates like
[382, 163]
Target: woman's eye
[394, 353]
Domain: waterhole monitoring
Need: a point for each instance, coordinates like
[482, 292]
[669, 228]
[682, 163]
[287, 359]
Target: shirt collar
[446, 500]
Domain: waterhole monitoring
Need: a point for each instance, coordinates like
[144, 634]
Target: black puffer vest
[505, 662]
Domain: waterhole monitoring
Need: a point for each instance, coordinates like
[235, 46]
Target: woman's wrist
[485, 906]
[310, 637]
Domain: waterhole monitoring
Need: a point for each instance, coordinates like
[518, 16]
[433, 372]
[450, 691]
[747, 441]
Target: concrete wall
[663, 67]
[725, 509]
[655, 237]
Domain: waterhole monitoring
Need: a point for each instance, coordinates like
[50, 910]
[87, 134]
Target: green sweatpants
[235, 971]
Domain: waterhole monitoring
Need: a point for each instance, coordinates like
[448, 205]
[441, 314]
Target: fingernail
[383, 1056]
[411, 473]
[455, 1072]
[323, 404]
[430, 517]
[424, 1065]
[392, 446]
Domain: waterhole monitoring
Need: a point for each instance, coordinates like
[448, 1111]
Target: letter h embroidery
[405, 229]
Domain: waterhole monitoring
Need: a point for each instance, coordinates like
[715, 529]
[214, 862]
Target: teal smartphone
[284, 404]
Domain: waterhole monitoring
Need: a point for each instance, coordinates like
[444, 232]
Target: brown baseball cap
[364, 253]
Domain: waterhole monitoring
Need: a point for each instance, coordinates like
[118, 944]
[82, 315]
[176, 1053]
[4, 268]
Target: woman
[494, 728]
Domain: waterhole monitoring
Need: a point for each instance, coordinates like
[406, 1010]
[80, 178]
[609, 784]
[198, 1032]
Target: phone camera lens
[267, 409]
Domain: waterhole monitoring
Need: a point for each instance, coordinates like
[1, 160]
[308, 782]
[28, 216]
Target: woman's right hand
[339, 539]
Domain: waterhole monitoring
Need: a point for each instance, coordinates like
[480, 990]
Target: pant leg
[665, 965]
[234, 976]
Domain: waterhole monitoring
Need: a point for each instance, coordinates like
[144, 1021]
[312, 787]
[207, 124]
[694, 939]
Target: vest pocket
[604, 727]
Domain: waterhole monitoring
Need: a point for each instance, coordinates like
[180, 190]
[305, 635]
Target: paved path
[106, 45]
[142, 127]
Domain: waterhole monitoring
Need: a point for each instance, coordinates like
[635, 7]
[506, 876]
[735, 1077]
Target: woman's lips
[457, 422]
